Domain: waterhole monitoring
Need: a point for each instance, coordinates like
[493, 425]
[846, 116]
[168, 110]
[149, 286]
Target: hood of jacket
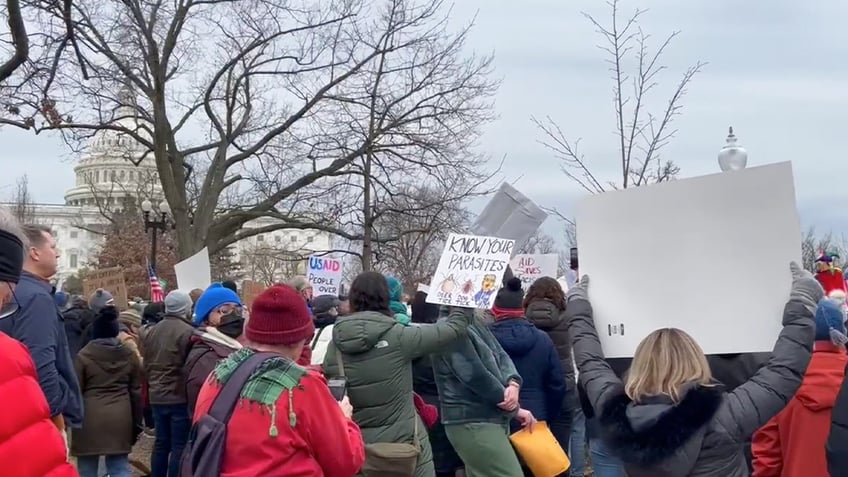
[544, 314]
[658, 434]
[108, 354]
[822, 380]
[361, 331]
[517, 336]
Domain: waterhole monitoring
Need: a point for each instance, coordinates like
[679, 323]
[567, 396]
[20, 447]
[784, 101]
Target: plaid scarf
[266, 384]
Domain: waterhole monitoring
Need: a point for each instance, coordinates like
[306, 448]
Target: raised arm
[599, 380]
[417, 341]
[754, 403]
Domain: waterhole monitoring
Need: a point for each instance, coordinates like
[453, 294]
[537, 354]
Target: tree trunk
[367, 215]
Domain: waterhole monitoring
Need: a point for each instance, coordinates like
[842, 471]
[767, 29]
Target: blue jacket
[536, 359]
[39, 325]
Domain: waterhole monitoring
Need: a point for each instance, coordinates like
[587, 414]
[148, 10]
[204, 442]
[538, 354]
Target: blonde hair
[665, 362]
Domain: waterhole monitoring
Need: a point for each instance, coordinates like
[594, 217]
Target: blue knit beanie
[214, 296]
[830, 322]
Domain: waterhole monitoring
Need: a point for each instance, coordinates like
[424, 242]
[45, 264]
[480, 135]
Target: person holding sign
[373, 352]
[669, 418]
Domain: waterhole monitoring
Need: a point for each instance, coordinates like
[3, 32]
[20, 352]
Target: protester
[110, 377]
[304, 288]
[669, 418]
[344, 305]
[77, 319]
[792, 443]
[396, 303]
[30, 443]
[153, 313]
[532, 352]
[195, 295]
[218, 314]
[445, 459]
[38, 325]
[376, 353]
[231, 285]
[165, 349]
[479, 393]
[837, 441]
[544, 306]
[325, 309]
[129, 322]
[290, 425]
[61, 298]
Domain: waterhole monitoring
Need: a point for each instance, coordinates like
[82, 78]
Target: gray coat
[702, 434]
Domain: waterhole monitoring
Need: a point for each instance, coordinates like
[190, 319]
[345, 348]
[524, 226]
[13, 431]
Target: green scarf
[400, 312]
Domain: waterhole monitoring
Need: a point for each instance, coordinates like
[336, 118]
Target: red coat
[30, 444]
[831, 280]
[323, 442]
[792, 443]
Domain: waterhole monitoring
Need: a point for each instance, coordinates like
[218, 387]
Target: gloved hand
[580, 290]
[805, 288]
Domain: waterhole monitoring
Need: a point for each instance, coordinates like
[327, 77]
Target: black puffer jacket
[78, 319]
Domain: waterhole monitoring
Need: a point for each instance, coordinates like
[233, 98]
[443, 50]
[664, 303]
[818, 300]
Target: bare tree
[244, 106]
[640, 134]
[543, 243]
[419, 222]
[268, 264]
[22, 203]
[812, 245]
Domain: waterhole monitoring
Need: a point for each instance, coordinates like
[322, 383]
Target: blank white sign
[709, 255]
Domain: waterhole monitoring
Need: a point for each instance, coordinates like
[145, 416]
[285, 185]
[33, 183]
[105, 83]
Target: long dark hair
[370, 292]
[545, 288]
[423, 312]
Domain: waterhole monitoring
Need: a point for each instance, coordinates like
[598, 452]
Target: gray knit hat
[100, 299]
[178, 303]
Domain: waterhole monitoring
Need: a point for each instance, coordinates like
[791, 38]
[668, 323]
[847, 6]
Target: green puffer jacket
[378, 352]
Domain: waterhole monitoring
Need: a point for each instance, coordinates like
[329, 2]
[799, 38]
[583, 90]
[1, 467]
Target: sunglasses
[10, 308]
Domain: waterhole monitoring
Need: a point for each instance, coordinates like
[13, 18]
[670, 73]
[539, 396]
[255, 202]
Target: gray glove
[805, 289]
[580, 290]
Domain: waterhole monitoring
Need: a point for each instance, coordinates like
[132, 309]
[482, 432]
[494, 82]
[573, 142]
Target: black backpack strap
[225, 402]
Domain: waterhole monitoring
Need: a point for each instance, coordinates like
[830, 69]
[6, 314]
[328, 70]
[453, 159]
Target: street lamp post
[155, 225]
[732, 157]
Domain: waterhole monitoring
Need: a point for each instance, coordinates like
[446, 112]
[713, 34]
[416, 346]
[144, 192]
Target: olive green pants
[485, 449]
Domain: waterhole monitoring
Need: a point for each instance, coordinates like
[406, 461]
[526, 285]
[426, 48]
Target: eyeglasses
[225, 310]
[10, 308]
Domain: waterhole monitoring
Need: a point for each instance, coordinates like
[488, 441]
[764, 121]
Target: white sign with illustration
[470, 270]
[672, 255]
[530, 268]
[324, 274]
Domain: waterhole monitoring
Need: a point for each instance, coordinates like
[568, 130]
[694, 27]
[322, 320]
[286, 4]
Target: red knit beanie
[279, 316]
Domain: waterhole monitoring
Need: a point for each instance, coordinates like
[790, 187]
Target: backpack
[204, 451]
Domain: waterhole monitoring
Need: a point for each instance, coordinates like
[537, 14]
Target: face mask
[232, 325]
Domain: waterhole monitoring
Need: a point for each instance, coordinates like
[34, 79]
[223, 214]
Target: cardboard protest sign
[249, 291]
[510, 215]
[529, 267]
[194, 272]
[325, 275]
[709, 255]
[470, 271]
[109, 279]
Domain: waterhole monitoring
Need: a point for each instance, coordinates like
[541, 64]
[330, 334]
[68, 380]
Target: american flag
[156, 293]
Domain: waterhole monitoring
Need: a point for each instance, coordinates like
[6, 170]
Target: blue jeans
[116, 465]
[603, 462]
[577, 447]
[172, 428]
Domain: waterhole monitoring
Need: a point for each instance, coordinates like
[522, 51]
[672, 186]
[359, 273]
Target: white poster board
[194, 272]
[530, 267]
[510, 215]
[709, 255]
[325, 275]
[470, 271]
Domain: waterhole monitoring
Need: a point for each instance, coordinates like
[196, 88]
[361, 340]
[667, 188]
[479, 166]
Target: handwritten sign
[470, 271]
[109, 279]
[325, 275]
[530, 268]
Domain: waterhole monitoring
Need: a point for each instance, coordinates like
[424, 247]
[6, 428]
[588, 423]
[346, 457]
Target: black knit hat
[106, 323]
[511, 296]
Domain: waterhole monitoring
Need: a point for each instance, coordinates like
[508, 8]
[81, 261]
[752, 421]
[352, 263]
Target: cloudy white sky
[776, 73]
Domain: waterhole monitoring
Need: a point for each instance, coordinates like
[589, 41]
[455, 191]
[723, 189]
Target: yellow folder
[540, 451]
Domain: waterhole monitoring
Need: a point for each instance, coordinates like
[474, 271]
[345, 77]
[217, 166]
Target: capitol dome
[107, 174]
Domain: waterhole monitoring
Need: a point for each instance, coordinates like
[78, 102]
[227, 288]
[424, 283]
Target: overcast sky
[776, 73]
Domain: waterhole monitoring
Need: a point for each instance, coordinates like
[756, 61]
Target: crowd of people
[382, 383]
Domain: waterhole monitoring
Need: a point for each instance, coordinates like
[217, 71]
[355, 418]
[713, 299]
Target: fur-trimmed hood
[657, 434]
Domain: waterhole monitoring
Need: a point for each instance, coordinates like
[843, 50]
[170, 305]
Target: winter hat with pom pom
[830, 322]
[510, 297]
[106, 323]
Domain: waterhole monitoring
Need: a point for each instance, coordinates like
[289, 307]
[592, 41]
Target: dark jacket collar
[667, 435]
[36, 280]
